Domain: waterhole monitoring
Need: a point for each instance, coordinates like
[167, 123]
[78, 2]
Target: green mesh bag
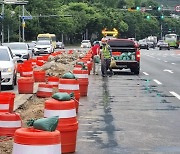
[62, 96]
[46, 124]
[69, 75]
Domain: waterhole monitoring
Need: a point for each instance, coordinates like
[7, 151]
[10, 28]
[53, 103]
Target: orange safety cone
[44, 90]
[67, 125]
[70, 86]
[9, 123]
[33, 141]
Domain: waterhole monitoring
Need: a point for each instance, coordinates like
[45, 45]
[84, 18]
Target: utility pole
[23, 24]
[161, 31]
[2, 31]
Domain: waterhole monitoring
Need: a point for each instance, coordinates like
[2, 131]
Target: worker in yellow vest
[106, 56]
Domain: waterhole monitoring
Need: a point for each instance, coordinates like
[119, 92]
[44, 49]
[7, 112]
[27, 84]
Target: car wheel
[160, 48]
[13, 83]
[15, 80]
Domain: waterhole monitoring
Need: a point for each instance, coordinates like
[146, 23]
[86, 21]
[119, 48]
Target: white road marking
[165, 61]
[175, 94]
[158, 59]
[145, 73]
[170, 71]
[173, 63]
[157, 81]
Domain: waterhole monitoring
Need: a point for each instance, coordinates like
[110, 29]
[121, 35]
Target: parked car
[43, 47]
[86, 44]
[8, 67]
[20, 49]
[143, 45]
[60, 45]
[164, 45]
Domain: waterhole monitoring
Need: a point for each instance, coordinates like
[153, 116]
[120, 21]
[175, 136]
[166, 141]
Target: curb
[23, 98]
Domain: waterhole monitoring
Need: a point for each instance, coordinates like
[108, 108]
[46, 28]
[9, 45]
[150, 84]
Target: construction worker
[106, 55]
[96, 57]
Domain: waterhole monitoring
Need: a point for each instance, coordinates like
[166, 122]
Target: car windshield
[85, 41]
[4, 56]
[43, 43]
[17, 46]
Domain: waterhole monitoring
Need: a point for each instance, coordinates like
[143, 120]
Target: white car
[8, 67]
[86, 44]
[21, 50]
[43, 47]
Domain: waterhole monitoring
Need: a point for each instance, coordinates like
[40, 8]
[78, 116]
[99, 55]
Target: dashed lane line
[145, 73]
[175, 94]
[165, 61]
[158, 82]
[173, 63]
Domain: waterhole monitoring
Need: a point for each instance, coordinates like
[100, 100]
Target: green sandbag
[62, 96]
[96, 58]
[84, 68]
[69, 75]
[46, 124]
[80, 63]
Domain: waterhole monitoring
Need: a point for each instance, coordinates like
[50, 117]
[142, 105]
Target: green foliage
[87, 16]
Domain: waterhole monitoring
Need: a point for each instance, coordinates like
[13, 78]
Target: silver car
[21, 50]
[8, 67]
[43, 47]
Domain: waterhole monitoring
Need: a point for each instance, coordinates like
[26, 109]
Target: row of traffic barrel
[30, 140]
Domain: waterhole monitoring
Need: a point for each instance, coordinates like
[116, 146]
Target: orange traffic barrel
[26, 71]
[33, 141]
[44, 90]
[7, 101]
[53, 80]
[45, 58]
[9, 123]
[70, 86]
[82, 76]
[40, 58]
[39, 63]
[67, 125]
[39, 76]
[70, 52]
[77, 67]
[25, 85]
[19, 65]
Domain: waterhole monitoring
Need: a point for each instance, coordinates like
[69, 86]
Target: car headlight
[7, 69]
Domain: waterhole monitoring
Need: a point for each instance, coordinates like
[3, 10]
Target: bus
[47, 36]
[172, 40]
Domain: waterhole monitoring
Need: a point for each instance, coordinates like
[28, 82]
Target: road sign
[26, 17]
[177, 8]
[114, 32]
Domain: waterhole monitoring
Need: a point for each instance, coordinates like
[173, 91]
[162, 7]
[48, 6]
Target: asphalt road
[127, 113]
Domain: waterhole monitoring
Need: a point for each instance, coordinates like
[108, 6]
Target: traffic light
[162, 17]
[137, 8]
[148, 17]
[157, 8]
